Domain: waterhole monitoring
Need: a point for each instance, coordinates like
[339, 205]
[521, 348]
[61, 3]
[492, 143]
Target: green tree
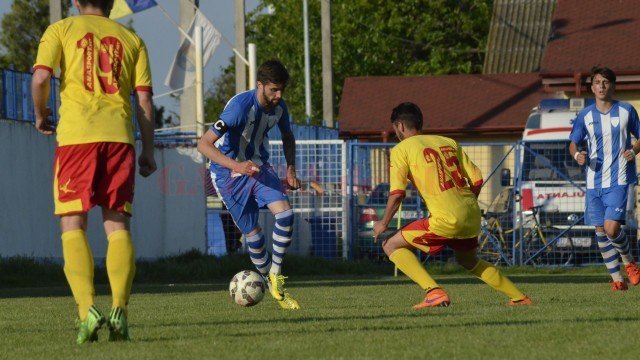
[161, 119]
[371, 38]
[22, 28]
[222, 89]
[20, 36]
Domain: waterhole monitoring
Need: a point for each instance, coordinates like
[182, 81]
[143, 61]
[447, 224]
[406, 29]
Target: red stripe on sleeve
[144, 88]
[398, 192]
[36, 67]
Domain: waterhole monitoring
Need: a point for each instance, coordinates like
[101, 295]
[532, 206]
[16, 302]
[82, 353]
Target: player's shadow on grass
[457, 279]
[253, 327]
[102, 289]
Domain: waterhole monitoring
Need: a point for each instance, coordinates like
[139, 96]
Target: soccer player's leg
[466, 256]
[258, 252]
[121, 267]
[269, 192]
[621, 244]
[616, 198]
[401, 253]
[79, 272]
[282, 232]
[119, 174]
[75, 171]
[236, 194]
[281, 240]
[611, 262]
[79, 268]
[595, 213]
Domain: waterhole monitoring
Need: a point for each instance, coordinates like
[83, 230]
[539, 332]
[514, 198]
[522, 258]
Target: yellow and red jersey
[441, 172]
[101, 64]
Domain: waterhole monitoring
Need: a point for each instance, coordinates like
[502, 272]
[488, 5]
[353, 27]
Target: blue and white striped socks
[621, 243]
[281, 239]
[258, 253]
[610, 256]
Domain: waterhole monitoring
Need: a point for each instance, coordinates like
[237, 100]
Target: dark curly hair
[409, 113]
[272, 71]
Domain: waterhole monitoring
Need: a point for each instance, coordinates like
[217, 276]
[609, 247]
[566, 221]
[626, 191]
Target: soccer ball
[247, 288]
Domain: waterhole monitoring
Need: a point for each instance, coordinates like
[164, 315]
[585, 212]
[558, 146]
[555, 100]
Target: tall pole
[55, 14]
[188, 117]
[307, 64]
[55, 11]
[327, 63]
[241, 67]
[199, 83]
[252, 66]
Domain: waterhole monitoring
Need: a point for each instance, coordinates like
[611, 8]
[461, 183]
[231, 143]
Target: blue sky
[162, 39]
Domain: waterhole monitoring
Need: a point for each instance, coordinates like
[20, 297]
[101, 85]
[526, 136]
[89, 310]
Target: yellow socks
[78, 268]
[492, 276]
[121, 267]
[409, 264]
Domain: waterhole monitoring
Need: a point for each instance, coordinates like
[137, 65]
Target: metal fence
[15, 92]
[320, 224]
[532, 199]
[532, 204]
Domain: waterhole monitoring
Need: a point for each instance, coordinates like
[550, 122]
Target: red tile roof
[451, 104]
[586, 33]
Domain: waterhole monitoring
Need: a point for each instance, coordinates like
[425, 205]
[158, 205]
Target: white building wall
[169, 214]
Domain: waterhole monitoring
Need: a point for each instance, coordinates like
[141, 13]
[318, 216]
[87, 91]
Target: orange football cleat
[525, 301]
[435, 297]
[633, 273]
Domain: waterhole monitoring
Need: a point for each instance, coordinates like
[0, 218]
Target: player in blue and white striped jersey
[237, 144]
[607, 126]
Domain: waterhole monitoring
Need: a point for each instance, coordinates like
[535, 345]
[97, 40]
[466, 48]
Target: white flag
[183, 70]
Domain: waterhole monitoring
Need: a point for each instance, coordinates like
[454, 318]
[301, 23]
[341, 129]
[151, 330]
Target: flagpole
[252, 66]
[199, 83]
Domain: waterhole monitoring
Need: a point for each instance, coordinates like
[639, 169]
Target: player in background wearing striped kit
[607, 126]
[237, 145]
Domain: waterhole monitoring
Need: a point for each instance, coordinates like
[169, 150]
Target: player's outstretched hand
[378, 228]
[292, 178]
[44, 124]
[147, 164]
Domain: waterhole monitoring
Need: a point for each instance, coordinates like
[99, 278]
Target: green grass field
[575, 316]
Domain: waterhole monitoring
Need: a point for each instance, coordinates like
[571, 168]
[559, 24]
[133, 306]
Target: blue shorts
[245, 195]
[606, 204]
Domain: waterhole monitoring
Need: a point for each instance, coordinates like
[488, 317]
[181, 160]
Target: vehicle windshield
[545, 161]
